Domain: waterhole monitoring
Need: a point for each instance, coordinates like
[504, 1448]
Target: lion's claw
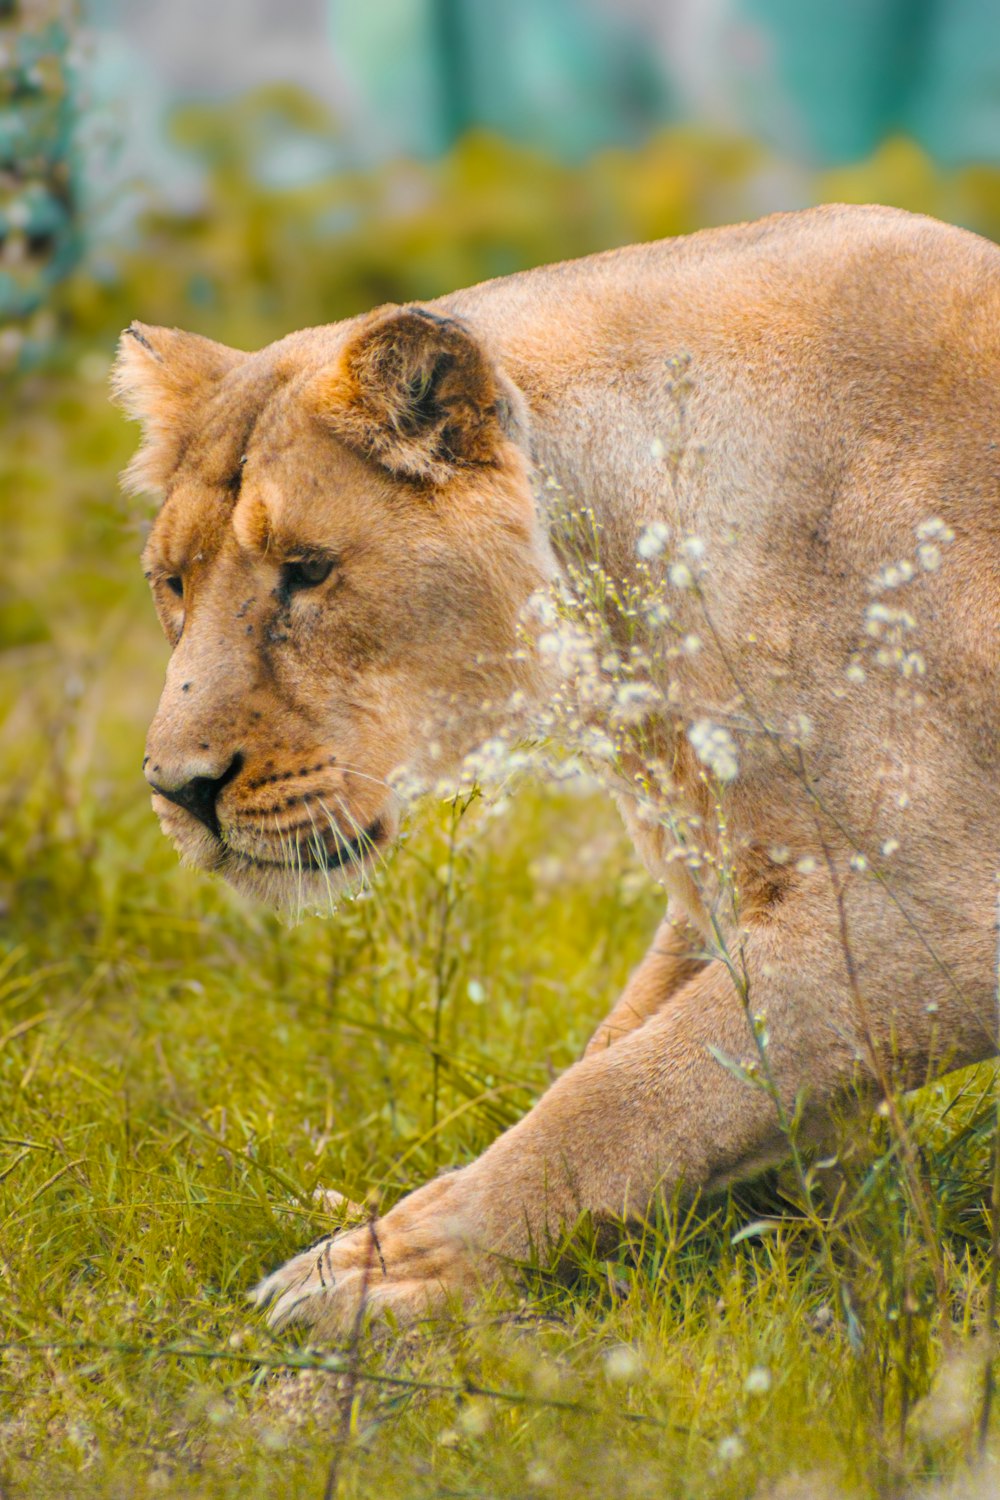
[408, 1263]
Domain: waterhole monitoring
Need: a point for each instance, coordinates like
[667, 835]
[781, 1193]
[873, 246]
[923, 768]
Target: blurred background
[250, 165]
[245, 167]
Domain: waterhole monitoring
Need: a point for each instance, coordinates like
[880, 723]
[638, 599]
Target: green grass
[179, 1073]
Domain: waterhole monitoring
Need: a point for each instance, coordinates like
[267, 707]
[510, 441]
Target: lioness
[358, 525]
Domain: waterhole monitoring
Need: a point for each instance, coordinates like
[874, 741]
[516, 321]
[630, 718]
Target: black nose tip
[199, 795]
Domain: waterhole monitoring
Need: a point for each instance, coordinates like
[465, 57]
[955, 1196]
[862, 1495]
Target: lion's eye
[307, 572]
[175, 584]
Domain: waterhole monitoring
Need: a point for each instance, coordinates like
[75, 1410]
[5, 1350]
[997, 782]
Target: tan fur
[842, 389]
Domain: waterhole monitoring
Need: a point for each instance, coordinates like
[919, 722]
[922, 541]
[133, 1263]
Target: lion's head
[346, 543]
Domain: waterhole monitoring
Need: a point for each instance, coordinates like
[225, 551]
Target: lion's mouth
[317, 854]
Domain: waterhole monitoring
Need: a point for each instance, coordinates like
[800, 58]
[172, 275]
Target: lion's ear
[417, 393]
[161, 377]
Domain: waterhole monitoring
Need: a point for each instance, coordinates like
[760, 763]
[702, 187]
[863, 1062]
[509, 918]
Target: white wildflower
[542, 607]
[893, 575]
[929, 556]
[407, 783]
[934, 529]
[488, 763]
[635, 700]
[622, 1364]
[876, 617]
[758, 1381]
[806, 865]
[880, 619]
[715, 748]
[730, 1449]
[680, 575]
[597, 745]
[657, 448]
[653, 539]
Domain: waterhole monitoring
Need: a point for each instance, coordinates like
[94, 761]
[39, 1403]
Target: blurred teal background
[286, 161]
[821, 82]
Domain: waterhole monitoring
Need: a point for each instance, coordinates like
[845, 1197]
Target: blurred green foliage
[258, 259]
[40, 233]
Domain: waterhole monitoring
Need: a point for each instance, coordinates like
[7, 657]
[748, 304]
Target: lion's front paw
[412, 1261]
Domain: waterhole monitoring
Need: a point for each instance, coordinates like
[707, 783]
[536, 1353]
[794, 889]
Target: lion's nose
[198, 795]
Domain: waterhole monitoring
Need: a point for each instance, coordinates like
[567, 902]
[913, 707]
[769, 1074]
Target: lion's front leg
[656, 1109]
[673, 958]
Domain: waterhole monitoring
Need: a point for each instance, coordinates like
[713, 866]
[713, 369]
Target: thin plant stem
[989, 1374]
[348, 1397]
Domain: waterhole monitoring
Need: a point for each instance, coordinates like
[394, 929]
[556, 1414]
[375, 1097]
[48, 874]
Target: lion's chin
[290, 890]
[293, 887]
